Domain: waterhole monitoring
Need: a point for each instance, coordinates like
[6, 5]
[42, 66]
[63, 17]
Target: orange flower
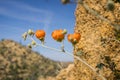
[70, 37]
[40, 34]
[58, 35]
[76, 36]
[73, 38]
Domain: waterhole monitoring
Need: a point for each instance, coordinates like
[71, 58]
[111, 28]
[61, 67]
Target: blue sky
[17, 16]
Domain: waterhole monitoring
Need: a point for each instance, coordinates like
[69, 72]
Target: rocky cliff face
[98, 43]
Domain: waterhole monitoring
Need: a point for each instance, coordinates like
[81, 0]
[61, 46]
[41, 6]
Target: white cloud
[25, 12]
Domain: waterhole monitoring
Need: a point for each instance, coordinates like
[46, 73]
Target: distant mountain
[18, 62]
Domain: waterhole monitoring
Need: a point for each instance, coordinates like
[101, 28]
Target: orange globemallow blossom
[77, 36]
[73, 38]
[58, 35]
[40, 34]
[70, 37]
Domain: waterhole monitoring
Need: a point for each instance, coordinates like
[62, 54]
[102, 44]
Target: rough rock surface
[66, 74]
[98, 44]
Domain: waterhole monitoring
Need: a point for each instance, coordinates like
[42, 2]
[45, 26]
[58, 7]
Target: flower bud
[24, 36]
[30, 32]
[74, 40]
[64, 31]
[29, 46]
[33, 43]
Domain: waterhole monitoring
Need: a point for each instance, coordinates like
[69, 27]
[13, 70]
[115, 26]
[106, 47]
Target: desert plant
[57, 35]
[98, 25]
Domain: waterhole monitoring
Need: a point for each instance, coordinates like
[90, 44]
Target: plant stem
[68, 53]
[76, 57]
[50, 48]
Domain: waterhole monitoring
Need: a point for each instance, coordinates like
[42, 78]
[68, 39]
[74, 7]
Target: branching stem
[68, 53]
